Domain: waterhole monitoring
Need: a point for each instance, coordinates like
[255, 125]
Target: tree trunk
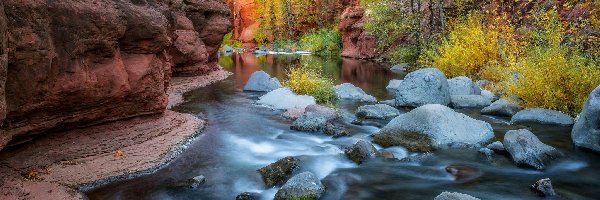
[442, 22]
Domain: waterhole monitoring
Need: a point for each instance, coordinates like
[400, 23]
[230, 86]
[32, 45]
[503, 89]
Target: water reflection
[371, 76]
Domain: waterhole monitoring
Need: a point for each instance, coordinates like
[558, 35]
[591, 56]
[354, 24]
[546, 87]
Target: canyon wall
[356, 42]
[74, 63]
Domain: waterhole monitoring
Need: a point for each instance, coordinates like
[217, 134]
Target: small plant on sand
[309, 81]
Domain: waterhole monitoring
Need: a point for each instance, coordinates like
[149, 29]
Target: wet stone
[543, 188]
[278, 172]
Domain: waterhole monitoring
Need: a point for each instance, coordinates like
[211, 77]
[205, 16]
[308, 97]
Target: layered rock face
[77, 63]
[356, 42]
[244, 24]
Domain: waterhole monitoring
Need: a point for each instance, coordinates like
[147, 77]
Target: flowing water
[242, 137]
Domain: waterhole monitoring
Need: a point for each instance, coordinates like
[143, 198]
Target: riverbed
[242, 137]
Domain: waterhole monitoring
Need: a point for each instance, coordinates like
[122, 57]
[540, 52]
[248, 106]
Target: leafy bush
[309, 81]
[285, 44]
[322, 42]
[229, 41]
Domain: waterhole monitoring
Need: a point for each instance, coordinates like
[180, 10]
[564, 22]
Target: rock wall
[356, 42]
[74, 63]
[244, 24]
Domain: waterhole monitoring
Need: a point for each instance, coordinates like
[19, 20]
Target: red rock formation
[244, 24]
[75, 63]
[3, 64]
[356, 42]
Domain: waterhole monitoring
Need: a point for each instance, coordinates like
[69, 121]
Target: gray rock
[260, 81]
[310, 122]
[303, 186]
[389, 102]
[469, 101]
[293, 113]
[248, 196]
[454, 196]
[327, 112]
[278, 172]
[497, 147]
[350, 92]
[482, 83]
[489, 95]
[399, 68]
[362, 151]
[228, 49]
[501, 108]
[421, 87]
[432, 127]
[461, 85]
[196, 181]
[284, 98]
[527, 150]
[586, 131]
[542, 116]
[543, 188]
[488, 153]
[393, 86]
[377, 111]
[335, 131]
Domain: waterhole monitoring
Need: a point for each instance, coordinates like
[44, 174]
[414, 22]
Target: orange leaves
[119, 153]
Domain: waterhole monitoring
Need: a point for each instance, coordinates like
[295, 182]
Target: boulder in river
[501, 108]
[490, 95]
[284, 98]
[542, 116]
[248, 196]
[335, 131]
[586, 131]
[543, 188]
[260, 81]
[278, 172]
[488, 153]
[310, 122]
[361, 152]
[293, 113]
[393, 86]
[302, 186]
[348, 91]
[327, 112]
[433, 126]
[454, 196]
[469, 101]
[399, 68]
[461, 85]
[527, 150]
[377, 111]
[196, 181]
[424, 86]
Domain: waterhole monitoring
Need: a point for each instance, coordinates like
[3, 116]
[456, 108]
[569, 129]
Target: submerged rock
[284, 98]
[421, 87]
[310, 121]
[248, 196]
[543, 188]
[527, 150]
[377, 111]
[469, 101]
[260, 81]
[462, 173]
[497, 147]
[335, 131]
[393, 86]
[302, 186]
[350, 92]
[454, 196]
[432, 127]
[461, 85]
[399, 68]
[542, 116]
[501, 108]
[586, 132]
[278, 172]
[361, 151]
[196, 181]
[488, 153]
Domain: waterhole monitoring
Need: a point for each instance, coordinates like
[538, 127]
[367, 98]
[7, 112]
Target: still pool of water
[242, 137]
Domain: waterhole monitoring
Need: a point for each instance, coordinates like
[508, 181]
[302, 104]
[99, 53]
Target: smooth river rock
[469, 101]
[377, 111]
[527, 150]
[454, 196]
[278, 172]
[421, 87]
[362, 151]
[284, 98]
[543, 188]
[302, 186]
[501, 108]
[461, 85]
[310, 122]
[542, 116]
[433, 126]
[260, 81]
[348, 91]
[586, 131]
[393, 86]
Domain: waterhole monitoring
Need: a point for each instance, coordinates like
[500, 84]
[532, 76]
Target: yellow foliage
[309, 81]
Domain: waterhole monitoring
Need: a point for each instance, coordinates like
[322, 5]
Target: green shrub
[229, 41]
[306, 80]
[324, 41]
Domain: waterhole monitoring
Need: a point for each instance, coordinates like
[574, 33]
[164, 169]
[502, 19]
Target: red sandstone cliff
[72, 63]
[356, 42]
